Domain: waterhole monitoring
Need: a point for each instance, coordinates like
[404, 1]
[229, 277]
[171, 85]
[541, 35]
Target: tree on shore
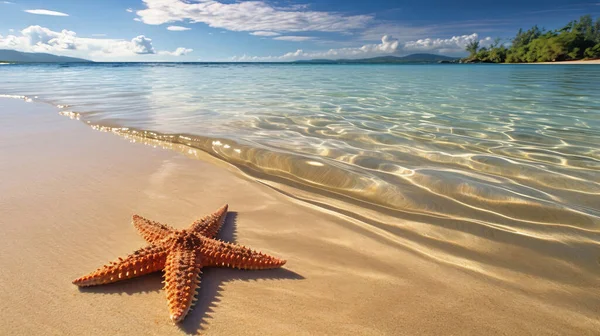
[472, 47]
[578, 39]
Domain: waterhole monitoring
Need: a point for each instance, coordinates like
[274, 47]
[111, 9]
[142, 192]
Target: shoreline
[67, 195]
[596, 61]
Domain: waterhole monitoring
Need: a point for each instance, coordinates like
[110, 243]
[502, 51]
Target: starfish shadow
[213, 278]
[211, 284]
[228, 231]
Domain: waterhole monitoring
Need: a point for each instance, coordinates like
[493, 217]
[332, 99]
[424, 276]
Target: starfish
[181, 254]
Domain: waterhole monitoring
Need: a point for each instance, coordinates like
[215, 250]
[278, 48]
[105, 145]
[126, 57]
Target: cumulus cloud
[293, 38]
[45, 12]
[296, 53]
[388, 46]
[178, 52]
[449, 45]
[41, 39]
[177, 28]
[249, 16]
[264, 33]
[142, 45]
[129, 10]
[46, 39]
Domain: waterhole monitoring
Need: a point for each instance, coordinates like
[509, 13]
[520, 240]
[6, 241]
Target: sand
[596, 61]
[67, 194]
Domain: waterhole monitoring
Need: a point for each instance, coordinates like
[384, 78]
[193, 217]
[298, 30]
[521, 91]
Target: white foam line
[27, 99]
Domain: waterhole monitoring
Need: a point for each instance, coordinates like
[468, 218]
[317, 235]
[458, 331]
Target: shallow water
[512, 147]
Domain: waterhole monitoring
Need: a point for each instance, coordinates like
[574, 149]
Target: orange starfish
[181, 254]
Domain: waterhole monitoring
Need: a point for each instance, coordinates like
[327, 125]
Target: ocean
[512, 148]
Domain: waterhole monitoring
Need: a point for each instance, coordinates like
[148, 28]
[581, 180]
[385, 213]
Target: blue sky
[225, 30]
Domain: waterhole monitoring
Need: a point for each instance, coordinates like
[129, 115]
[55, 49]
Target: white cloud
[264, 33]
[450, 45]
[249, 16]
[177, 28]
[11, 30]
[142, 45]
[178, 52]
[8, 2]
[98, 35]
[129, 10]
[45, 39]
[388, 46]
[293, 38]
[45, 12]
[66, 42]
[297, 53]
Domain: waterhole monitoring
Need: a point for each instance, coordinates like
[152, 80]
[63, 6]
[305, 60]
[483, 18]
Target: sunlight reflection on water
[508, 148]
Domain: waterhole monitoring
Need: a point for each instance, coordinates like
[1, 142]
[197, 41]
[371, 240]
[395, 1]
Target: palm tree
[472, 47]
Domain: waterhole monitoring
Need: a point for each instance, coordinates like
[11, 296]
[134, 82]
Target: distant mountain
[18, 56]
[414, 58]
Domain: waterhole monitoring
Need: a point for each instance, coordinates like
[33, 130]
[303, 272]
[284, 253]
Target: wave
[492, 189]
[25, 98]
[495, 160]
[441, 214]
[450, 192]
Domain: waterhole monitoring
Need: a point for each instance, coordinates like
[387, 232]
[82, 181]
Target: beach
[68, 192]
[596, 61]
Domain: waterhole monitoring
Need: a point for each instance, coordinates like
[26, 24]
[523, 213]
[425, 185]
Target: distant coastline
[408, 59]
[14, 56]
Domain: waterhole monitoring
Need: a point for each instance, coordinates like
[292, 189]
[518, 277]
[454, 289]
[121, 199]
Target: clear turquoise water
[510, 145]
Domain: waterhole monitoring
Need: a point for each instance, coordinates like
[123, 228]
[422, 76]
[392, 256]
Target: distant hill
[18, 56]
[414, 58]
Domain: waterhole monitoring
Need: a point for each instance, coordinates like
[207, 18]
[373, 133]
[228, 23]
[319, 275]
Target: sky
[262, 30]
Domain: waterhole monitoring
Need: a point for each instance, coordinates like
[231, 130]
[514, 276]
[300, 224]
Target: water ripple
[478, 150]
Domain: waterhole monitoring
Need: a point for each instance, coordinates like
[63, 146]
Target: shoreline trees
[579, 39]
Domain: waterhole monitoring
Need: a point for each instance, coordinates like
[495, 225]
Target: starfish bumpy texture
[181, 254]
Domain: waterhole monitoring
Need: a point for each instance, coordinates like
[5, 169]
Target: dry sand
[67, 194]
[597, 61]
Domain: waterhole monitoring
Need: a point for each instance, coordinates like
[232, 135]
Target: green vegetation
[579, 39]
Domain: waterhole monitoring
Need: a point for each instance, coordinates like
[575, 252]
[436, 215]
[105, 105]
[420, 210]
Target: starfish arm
[151, 231]
[143, 261]
[219, 253]
[210, 225]
[182, 279]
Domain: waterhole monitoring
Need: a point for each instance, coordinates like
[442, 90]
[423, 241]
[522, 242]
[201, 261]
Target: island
[409, 59]
[14, 56]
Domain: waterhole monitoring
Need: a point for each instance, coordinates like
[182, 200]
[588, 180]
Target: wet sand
[67, 194]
